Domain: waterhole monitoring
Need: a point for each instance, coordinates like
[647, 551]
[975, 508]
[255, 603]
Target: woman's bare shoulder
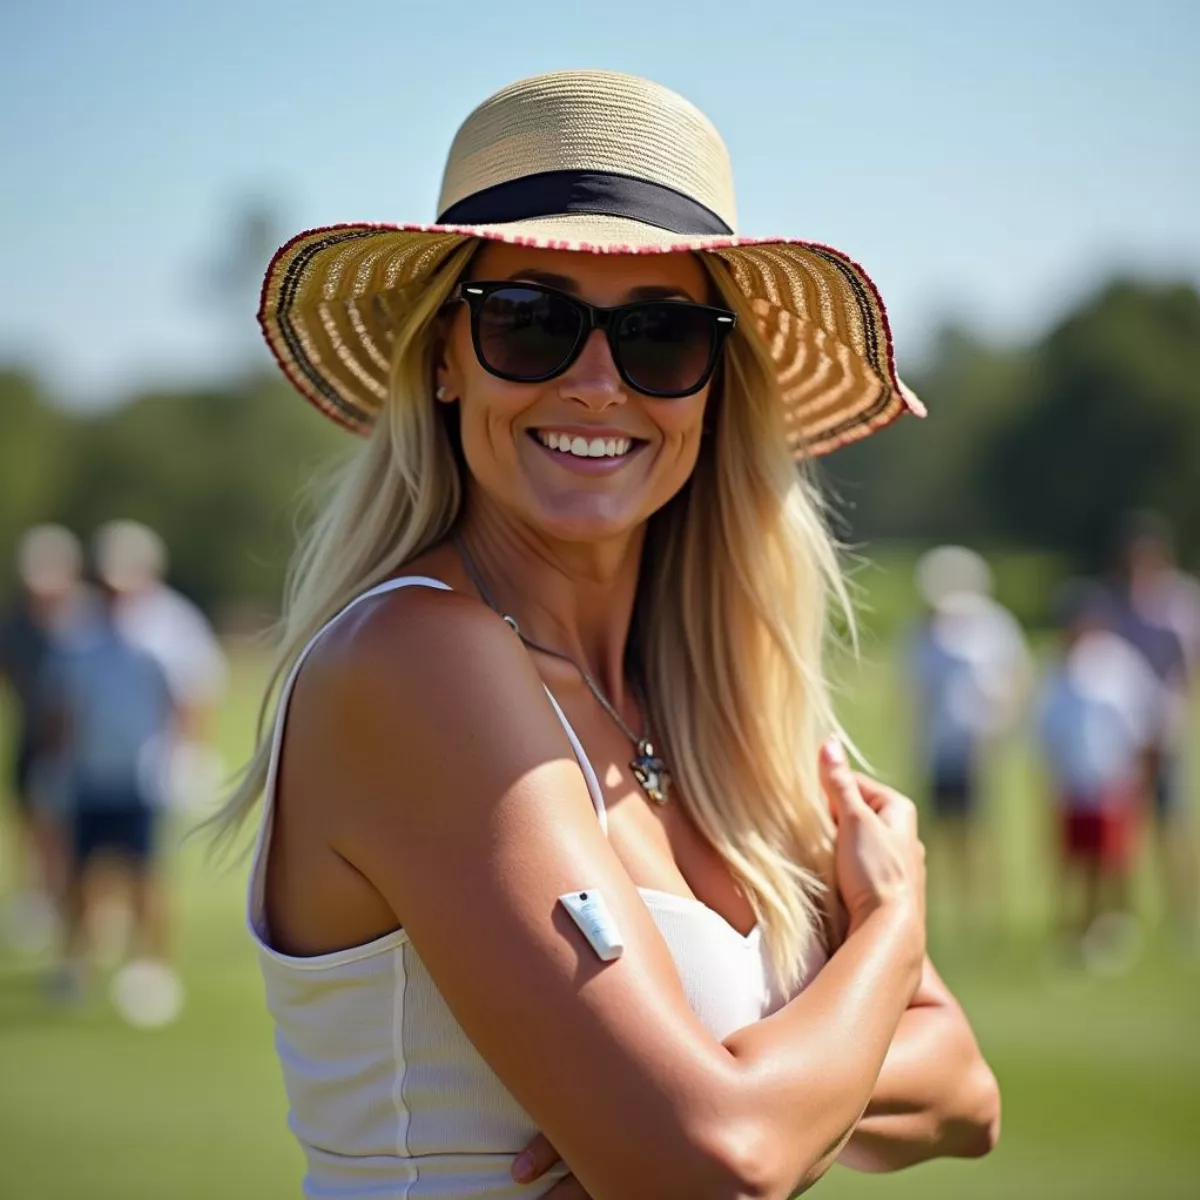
[408, 655]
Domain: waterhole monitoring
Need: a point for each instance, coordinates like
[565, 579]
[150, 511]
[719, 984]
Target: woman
[582, 397]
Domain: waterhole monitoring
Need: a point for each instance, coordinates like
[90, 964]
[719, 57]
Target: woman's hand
[535, 1160]
[879, 861]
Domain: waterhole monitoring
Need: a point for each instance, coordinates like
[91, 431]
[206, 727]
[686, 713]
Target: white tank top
[388, 1096]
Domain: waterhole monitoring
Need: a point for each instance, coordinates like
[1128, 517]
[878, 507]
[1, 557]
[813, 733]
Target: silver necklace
[648, 769]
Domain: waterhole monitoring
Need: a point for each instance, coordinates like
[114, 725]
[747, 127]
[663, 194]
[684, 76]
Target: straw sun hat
[594, 162]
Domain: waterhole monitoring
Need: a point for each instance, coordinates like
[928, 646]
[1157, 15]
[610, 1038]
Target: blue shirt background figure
[109, 714]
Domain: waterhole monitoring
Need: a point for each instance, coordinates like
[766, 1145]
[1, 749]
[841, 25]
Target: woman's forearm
[808, 1071]
[935, 1096]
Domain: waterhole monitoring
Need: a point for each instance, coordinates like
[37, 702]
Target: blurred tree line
[1042, 447]
[216, 472]
[1045, 446]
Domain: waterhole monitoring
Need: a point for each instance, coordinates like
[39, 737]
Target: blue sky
[984, 162]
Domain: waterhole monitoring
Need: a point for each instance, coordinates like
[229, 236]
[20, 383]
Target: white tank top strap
[589, 776]
[258, 874]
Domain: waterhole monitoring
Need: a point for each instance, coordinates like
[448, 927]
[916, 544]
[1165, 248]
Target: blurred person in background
[971, 668]
[1098, 711]
[1158, 612]
[51, 606]
[108, 716]
[132, 559]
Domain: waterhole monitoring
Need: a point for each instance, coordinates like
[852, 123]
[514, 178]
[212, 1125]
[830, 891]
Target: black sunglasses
[528, 333]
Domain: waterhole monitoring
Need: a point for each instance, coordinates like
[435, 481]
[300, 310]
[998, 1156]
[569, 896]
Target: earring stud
[440, 393]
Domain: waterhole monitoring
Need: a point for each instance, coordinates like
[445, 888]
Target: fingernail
[835, 749]
[522, 1168]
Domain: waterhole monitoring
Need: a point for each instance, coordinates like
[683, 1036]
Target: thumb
[535, 1160]
[838, 780]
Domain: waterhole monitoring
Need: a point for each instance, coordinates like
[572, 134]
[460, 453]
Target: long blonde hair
[730, 623]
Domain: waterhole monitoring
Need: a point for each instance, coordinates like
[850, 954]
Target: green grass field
[1101, 1078]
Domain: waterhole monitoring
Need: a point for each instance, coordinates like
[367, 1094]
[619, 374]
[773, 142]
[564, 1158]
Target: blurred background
[1021, 183]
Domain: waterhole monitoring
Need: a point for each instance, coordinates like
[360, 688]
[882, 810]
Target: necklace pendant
[651, 772]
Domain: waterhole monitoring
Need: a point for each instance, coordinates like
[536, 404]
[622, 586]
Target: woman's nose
[593, 378]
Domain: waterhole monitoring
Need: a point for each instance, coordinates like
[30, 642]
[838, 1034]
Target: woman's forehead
[599, 278]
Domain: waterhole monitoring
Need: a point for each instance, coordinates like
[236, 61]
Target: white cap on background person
[128, 556]
[952, 570]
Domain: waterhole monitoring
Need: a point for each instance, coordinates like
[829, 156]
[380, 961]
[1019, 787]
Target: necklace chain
[649, 770]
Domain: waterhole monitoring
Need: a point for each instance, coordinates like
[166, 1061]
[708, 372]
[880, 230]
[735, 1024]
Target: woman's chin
[584, 519]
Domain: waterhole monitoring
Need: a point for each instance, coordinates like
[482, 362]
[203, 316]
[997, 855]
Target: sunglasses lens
[666, 348]
[526, 334]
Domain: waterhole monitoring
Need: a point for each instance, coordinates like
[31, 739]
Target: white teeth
[582, 448]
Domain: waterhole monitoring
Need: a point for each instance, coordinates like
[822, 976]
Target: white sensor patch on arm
[596, 923]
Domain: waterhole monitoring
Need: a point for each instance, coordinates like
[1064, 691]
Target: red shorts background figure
[1100, 829]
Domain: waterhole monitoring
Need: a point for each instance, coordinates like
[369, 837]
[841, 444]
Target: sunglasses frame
[475, 293]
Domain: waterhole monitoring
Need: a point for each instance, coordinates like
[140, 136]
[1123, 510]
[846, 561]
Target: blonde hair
[729, 625]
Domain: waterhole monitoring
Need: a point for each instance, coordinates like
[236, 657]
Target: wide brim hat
[593, 162]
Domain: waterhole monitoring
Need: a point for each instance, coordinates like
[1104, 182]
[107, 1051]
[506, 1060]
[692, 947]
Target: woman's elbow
[985, 1135]
[976, 1131]
[762, 1165]
[742, 1164]
[702, 1164]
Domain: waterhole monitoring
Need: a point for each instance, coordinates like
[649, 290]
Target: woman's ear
[446, 375]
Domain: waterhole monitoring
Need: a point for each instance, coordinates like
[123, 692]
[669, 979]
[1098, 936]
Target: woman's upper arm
[459, 798]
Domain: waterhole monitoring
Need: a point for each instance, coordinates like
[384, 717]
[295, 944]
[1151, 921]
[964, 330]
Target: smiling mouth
[576, 446]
